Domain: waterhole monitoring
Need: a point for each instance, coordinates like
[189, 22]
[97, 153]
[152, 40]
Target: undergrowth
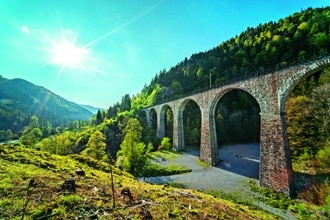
[301, 207]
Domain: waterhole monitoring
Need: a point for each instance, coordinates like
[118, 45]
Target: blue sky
[95, 52]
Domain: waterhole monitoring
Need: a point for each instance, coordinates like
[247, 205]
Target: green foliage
[308, 118]
[132, 154]
[166, 143]
[323, 159]
[31, 133]
[327, 203]
[96, 146]
[61, 144]
[300, 124]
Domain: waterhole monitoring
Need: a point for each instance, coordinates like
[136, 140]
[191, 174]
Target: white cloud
[25, 29]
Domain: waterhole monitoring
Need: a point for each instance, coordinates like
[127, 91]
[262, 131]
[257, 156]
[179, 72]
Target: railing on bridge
[263, 71]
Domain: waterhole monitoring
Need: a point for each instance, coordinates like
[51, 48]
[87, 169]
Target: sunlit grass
[167, 155]
[46, 199]
[203, 164]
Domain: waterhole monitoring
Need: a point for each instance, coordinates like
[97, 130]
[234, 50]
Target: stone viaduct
[270, 91]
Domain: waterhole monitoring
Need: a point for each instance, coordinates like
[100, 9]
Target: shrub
[166, 143]
[327, 203]
[316, 194]
[323, 159]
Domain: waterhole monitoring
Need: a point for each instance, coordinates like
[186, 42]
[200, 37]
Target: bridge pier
[147, 112]
[178, 135]
[275, 163]
[208, 145]
[161, 125]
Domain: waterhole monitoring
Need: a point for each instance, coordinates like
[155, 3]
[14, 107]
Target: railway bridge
[270, 91]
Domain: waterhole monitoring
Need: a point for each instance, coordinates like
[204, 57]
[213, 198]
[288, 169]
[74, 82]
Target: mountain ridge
[20, 98]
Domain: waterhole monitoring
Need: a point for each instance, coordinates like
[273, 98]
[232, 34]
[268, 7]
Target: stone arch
[144, 117]
[162, 118]
[180, 116]
[152, 118]
[169, 121]
[297, 77]
[213, 108]
[246, 161]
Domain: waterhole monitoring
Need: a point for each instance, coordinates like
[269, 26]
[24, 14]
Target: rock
[80, 172]
[171, 215]
[32, 183]
[69, 185]
[127, 193]
[145, 214]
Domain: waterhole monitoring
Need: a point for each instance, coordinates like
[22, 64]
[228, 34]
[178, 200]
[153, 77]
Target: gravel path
[238, 164]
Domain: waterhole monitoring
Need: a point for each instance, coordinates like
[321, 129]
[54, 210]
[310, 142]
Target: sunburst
[66, 54]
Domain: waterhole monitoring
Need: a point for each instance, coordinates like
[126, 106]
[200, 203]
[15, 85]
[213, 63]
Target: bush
[323, 159]
[327, 203]
[316, 194]
[166, 143]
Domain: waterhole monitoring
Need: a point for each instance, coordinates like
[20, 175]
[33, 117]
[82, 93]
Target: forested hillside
[272, 45]
[20, 100]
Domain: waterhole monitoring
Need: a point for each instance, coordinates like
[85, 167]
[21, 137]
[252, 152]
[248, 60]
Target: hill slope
[19, 99]
[32, 185]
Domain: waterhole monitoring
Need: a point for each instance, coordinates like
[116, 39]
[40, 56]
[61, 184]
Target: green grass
[297, 207]
[166, 154]
[158, 170]
[45, 199]
[203, 164]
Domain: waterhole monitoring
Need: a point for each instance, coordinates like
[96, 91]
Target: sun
[68, 54]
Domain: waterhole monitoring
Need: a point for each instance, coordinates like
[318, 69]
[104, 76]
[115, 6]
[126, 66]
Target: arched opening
[142, 116]
[307, 119]
[153, 119]
[237, 122]
[168, 122]
[149, 134]
[192, 125]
